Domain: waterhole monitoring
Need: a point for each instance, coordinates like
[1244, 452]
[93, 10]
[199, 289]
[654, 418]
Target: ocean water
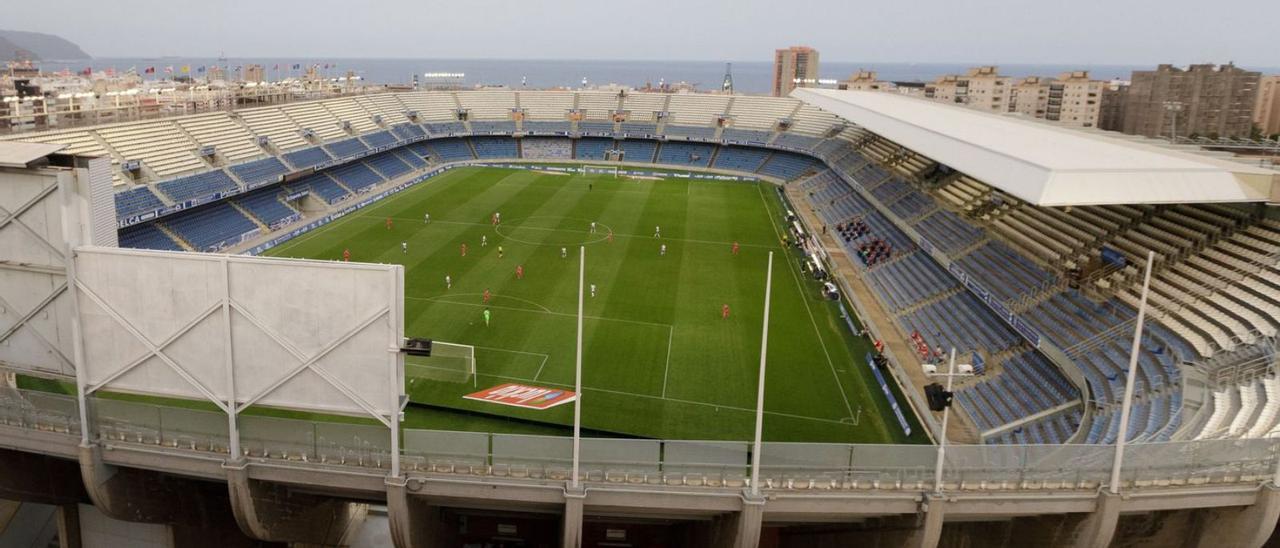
[748, 77]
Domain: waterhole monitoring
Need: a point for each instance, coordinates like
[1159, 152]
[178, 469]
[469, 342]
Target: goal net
[448, 362]
[600, 170]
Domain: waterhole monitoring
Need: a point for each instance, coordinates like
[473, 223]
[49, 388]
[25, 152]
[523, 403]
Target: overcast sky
[970, 31]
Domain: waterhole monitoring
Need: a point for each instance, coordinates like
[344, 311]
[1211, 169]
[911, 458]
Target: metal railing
[712, 464]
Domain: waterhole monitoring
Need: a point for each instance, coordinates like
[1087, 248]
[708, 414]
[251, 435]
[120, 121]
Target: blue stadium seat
[545, 127]
[450, 150]
[740, 158]
[267, 207]
[495, 147]
[388, 164]
[595, 128]
[136, 201]
[788, 166]
[380, 139]
[346, 147]
[260, 172]
[307, 157]
[355, 176]
[693, 132]
[589, 148]
[634, 150]
[684, 153]
[197, 186]
[147, 236]
[212, 227]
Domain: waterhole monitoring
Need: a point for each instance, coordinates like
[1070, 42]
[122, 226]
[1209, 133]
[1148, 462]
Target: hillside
[42, 46]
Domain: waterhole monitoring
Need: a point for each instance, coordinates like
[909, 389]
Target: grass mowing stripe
[659, 361]
[809, 310]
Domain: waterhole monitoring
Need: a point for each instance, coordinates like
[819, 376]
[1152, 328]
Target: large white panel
[311, 335]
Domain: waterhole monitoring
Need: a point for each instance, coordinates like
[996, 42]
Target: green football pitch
[658, 359]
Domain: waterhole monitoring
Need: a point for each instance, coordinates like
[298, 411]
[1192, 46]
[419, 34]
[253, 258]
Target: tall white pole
[1128, 381]
[942, 436]
[577, 371]
[764, 347]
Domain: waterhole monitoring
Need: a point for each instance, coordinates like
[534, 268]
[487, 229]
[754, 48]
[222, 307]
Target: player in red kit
[346, 255]
[519, 272]
[486, 296]
[724, 311]
[388, 223]
[735, 248]
[464, 250]
[610, 235]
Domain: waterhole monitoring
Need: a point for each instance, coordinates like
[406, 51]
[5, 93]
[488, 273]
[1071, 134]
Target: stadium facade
[1014, 242]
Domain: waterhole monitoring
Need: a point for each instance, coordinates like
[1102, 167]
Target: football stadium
[623, 318]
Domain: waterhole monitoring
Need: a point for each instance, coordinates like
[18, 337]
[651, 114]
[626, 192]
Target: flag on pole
[168, 69]
[296, 66]
[88, 71]
[186, 69]
[149, 70]
[201, 69]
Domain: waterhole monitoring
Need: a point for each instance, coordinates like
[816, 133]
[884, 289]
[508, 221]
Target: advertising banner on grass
[520, 395]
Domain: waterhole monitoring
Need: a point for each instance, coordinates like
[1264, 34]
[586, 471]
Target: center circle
[553, 232]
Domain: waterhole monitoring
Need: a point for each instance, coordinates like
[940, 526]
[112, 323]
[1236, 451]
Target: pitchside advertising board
[520, 395]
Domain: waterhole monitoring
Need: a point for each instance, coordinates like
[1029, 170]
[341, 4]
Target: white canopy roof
[1043, 164]
[17, 154]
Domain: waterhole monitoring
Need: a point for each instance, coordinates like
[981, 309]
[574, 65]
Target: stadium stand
[495, 147]
[147, 236]
[346, 147]
[682, 153]
[545, 127]
[388, 165]
[545, 105]
[380, 139]
[136, 201]
[197, 186]
[414, 160]
[315, 117]
[451, 150]
[307, 157]
[321, 185]
[796, 141]
[786, 165]
[592, 149]
[259, 172]
[544, 148]
[356, 176]
[440, 129]
[160, 145]
[408, 131]
[600, 106]
[275, 125]
[587, 127]
[232, 141]
[702, 110]
[692, 132]
[488, 105]
[351, 113]
[760, 113]
[752, 136]
[493, 128]
[267, 207]
[638, 151]
[212, 227]
[740, 158]
[639, 129]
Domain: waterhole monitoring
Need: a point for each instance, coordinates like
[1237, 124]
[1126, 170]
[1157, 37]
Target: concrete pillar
[274, 513]
[572, 534]
[1248, 526]
[69, 526]
[933, 513]
[750, 519]
[1099, 527]
[398, 517]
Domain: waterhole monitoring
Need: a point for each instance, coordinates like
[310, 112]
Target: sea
[748, 77]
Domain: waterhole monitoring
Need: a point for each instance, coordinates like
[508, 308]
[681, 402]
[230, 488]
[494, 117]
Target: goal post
[600, 170]
[448, 362]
